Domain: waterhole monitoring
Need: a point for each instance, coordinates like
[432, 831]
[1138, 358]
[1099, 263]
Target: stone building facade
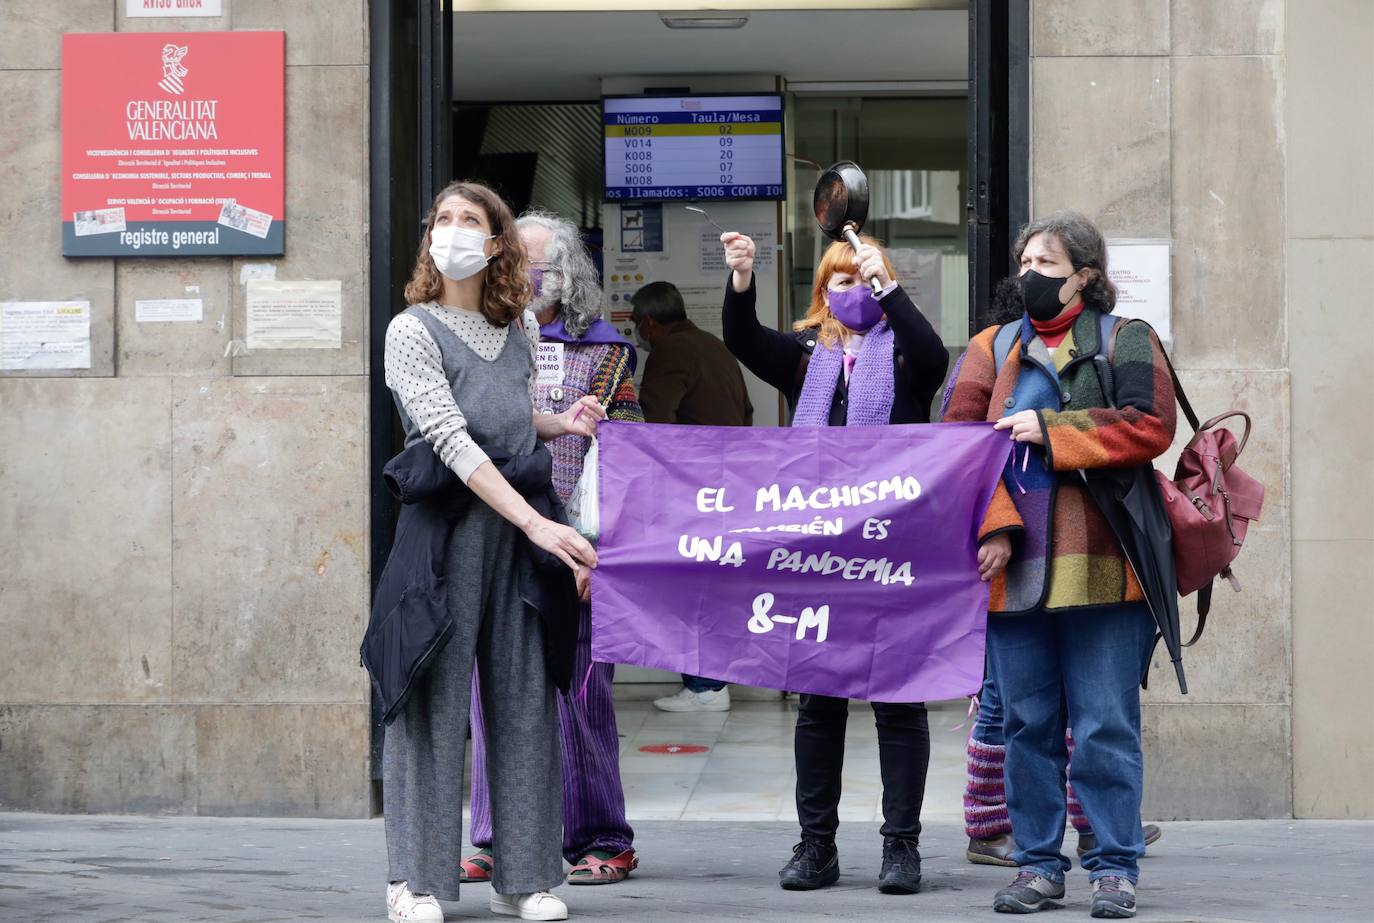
[184, 528]
[184, 568]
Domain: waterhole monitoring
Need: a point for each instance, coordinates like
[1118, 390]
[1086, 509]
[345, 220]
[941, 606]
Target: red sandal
[476, 867]
[594, 870]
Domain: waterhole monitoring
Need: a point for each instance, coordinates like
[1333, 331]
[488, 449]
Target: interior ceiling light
[703, 21]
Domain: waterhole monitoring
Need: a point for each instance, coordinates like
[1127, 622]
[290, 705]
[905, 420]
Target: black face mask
[1041, 295]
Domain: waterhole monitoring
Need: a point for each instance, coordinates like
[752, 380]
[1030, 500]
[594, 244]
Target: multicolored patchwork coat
[1064, 554]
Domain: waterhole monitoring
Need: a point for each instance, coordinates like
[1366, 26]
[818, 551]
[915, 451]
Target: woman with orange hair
[856, 359]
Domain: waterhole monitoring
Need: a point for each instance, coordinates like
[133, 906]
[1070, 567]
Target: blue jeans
[987, 728]
[1079, 668]
[699, 684]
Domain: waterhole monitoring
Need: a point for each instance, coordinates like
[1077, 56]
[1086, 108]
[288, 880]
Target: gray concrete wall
[183, 532]
[1329, 260]
[1188, 120]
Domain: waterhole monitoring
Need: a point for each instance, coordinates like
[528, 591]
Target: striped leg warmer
[985, 797]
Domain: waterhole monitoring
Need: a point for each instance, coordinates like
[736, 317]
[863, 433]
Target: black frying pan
[841, 204]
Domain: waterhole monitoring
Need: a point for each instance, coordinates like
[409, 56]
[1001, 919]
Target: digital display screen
[693, 147]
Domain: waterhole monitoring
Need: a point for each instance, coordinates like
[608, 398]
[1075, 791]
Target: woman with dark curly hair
[1069, 633]
[460, 363]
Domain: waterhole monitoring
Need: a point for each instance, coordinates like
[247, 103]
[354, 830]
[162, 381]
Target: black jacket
[781, 358]
[410, 620]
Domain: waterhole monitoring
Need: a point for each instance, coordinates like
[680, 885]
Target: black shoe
[901, 873]
[1029, 893]
[1113, 898]
[1087, 841]
[814, 864]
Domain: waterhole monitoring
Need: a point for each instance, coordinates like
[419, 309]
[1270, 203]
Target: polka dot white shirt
[415, 372]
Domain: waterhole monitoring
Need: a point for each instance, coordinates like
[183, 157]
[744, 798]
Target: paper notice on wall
[919, 272]
[1140, 271]
[169, 310]
[294, 315]
[711, 259]
[703, 304]
[45, 335]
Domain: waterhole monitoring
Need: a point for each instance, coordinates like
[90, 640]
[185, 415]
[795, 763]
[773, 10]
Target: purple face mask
[856, 308]
[537, 280]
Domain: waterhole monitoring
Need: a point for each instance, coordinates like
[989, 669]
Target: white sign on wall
[172, 9]
[41, 335]
[169, 310]
[294, 315]
[1141, 271]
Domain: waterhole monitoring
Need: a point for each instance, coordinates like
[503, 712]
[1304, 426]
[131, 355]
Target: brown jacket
[692, 378]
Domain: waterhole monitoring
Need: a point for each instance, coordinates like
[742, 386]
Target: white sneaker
[687, 700]
[404, 907]
[540, 905]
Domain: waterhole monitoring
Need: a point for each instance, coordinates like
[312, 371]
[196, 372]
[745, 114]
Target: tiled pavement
[712, 830]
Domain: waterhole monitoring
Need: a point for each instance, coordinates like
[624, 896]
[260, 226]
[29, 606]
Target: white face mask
[459, 252]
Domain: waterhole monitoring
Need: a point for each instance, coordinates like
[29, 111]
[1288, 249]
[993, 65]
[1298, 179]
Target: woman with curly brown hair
[460, 362]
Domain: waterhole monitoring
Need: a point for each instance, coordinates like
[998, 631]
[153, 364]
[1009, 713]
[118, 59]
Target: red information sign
[173, 144]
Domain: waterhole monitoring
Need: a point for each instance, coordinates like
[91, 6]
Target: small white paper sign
[45, 335]
[1141, 272]
[172, 9]
[169, 310]
[294, 315]
[711, 254]
[548, 358]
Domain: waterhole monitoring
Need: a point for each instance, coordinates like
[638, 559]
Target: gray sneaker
[1113, 898]
[1029, 893]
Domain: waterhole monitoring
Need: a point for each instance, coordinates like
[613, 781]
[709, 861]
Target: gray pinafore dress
[422, 765]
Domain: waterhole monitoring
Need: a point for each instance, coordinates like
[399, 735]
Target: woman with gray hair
[1069, 633]
[579, 354]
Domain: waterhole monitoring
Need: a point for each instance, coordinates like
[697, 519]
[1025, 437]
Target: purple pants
[593, 799]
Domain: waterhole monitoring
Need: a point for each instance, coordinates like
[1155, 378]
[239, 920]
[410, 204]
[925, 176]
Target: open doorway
[934, 108]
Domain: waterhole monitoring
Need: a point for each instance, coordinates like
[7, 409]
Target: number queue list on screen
[697, 147]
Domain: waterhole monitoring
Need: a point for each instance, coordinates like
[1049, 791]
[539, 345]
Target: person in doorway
[690, 377]
[1069, 634]
[590, 358]
[459, 362]
[854, 360]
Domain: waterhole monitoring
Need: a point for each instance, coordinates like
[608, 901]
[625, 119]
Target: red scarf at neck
[1053, 331]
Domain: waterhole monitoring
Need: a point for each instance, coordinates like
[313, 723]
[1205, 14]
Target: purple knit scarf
[871, 384]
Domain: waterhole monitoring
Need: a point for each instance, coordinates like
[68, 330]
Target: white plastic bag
[584, 506]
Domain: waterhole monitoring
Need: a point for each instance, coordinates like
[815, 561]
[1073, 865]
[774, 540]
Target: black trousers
[903, 754]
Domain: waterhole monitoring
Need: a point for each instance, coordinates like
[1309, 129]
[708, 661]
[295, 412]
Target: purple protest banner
[836, 561]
